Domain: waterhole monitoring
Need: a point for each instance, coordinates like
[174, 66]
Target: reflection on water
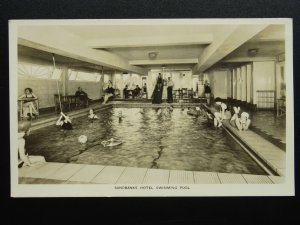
[152, 138]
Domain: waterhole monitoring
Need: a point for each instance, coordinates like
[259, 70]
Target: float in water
[111, 142]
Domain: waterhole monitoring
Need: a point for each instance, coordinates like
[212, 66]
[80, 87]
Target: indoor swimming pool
[152, 138]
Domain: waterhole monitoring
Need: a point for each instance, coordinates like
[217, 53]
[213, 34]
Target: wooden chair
[25, 110]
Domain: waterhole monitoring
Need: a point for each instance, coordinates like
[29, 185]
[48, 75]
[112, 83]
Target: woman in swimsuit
[28, 98]
[110, 91]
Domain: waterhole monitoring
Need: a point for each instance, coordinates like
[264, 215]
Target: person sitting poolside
[218, 119]
[136, 92]
[126, 92]
[235, 115]
[82, 97]
[227, 114]
[109, 92]
[243, 122]
[29, 110]
[215, 117]
[222, 107]
[24, 158]
[92, 115]
[65, 122]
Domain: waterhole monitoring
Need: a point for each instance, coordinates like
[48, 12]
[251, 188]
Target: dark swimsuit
[25, 101]
[67, 126]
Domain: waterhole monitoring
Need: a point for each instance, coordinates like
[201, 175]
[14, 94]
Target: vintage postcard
[151, 107]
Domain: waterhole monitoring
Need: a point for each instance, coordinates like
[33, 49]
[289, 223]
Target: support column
[65, 80]
[101, 84]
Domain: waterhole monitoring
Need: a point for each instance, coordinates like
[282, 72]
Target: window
[83, 76]
[56, 74]
[35, 71]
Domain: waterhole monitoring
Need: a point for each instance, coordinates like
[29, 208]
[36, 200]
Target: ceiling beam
[227, 41]
[163, 61]
[166, 40]
[249, 59]
[59, 41]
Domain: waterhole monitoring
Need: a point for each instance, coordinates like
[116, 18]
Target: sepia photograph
[151, 107]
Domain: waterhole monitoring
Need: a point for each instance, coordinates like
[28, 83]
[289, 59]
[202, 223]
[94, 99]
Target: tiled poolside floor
[64, 173]
[273, 156]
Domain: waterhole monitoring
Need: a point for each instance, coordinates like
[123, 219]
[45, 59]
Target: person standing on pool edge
[207, 92]
[158, 89]
[170, 85]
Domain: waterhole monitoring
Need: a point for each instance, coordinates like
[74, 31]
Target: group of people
[219, 111]
[162, 87]
[137, 92]
[83, 98]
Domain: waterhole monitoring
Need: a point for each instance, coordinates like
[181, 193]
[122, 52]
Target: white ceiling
[108, 31]
[269, 43]
[163, 52]
[178, 42]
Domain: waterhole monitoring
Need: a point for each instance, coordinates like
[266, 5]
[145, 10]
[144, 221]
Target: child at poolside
[243, 122]
[222, 107]
[218, 119]
[24, 158]
[65, 122]
[227, 114]
[91, 115]
[235, 116]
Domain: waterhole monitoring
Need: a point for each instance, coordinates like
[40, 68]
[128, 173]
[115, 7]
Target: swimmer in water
[91, 115]
[64, 121]
[111, 142]
[120, 116]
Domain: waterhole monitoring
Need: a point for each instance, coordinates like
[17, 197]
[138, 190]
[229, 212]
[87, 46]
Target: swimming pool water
[152, 138]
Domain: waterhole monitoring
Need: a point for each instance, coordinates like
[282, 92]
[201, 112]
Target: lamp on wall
[152, 55]
[252, 52]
